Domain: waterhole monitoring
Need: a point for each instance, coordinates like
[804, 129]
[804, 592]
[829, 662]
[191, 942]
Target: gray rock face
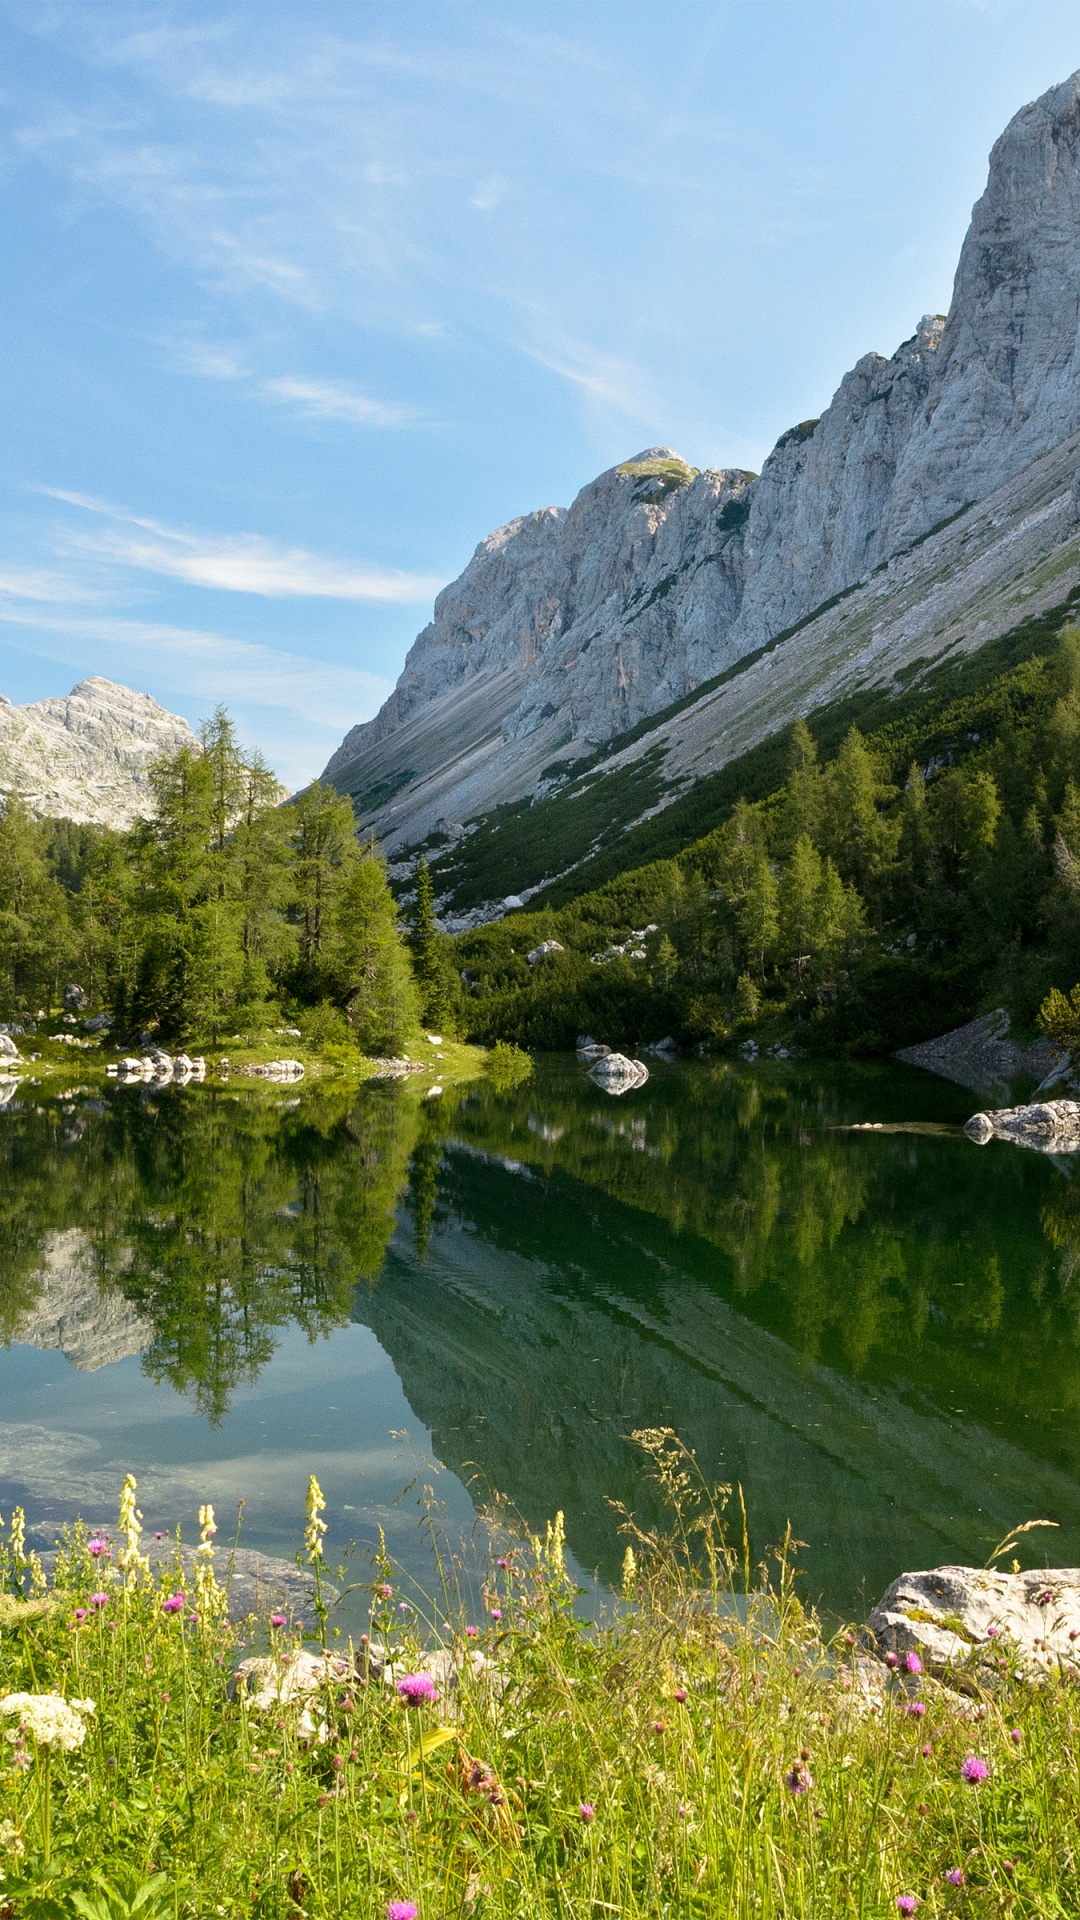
[87, 756]
[967, 1616]
[571, 626]
[981, 1056]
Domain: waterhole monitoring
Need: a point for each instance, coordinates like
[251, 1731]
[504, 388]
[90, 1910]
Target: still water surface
[877, 1334]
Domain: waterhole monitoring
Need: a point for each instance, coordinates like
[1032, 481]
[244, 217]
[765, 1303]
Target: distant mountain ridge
[933, 504]
[86, 755]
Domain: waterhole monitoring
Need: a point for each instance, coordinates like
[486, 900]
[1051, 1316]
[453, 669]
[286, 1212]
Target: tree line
[224, 909]
[865, 901]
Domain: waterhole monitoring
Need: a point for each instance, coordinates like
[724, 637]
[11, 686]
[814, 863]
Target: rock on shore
[968, 1616]
[1049, 1126]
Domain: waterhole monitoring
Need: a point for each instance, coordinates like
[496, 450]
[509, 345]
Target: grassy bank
[706, 1750]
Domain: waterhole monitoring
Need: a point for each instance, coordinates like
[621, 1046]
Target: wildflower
[502, 1562]
[97, 1545]
[174, 1604]
[927, 1751]
[891, 1660]
[659, 1726]
[53, 1721]
[496, 1613]
[11, 1840]
[917, 1708]
[956, 1877]
[973, 1770]
[911, 1663]
[415, 1687]
[1046, 1598]
[316, 1527]
[17, 1536]
[80, 1614]
[277, 1619]
[132, 1561]
[922, 1808]
[1008, 1866]
[471, 1632]
[680, 1694]
[906, 1903]
[683, 1812]
[402, 1910]
[798, 1779]
[587, 1812]
[1016, 1736]
[99, 1599]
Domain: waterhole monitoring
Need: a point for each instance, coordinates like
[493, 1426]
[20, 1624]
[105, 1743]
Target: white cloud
[604, 377]
[239, 563]
[335, 400]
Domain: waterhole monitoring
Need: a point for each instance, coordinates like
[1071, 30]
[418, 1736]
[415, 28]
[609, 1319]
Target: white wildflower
[52, 1720]
[132, 1561]
[313, 1532]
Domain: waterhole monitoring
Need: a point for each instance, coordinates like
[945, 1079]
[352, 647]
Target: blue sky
[299, 301]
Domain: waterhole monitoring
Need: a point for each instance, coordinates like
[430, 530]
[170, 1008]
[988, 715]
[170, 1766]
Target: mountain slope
[573, 628]
[86, 755]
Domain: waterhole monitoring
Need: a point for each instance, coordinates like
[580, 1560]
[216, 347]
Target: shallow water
[877, 1334]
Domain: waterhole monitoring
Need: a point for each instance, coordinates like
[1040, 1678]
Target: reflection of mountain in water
[536, 1370]
[73, 1314]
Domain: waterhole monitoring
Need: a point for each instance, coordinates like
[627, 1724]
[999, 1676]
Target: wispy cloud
[206, 665]
[607, 379]
[336, 400]
[238, 563]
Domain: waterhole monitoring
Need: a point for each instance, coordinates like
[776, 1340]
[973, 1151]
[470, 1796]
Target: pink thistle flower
[471, 1632]
[798, 1779]
[278, 1619]
[927, 1751]
[956, 1877]
[906, 1903]
[911, 1663]
[659, 1726]
[99, 1599]
[502, 1563]
[174, 1603]
[80, 1614]
[416, 1687]
[916, 1708]
[587, 1812]
[385, 1592]
[496, 1612]
[1016, 1736]
[401, 1910]
[973, 1770]
[680, 1694]
[97, 1545]
[1046, 1598]
[891, 1660]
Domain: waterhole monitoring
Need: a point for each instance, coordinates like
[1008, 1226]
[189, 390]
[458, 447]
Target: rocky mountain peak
[86, 755]
[571, 626]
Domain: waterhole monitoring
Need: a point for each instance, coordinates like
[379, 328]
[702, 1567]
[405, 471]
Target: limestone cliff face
[569, 627]
[86, 755]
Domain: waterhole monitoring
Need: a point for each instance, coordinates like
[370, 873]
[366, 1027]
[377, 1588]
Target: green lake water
[876, 1333]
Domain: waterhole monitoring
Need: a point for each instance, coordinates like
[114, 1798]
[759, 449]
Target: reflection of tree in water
[878, 1254]
[219, 1218]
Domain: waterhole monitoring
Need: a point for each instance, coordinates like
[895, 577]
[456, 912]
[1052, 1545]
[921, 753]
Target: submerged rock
[969, 1616]
[1049, 1126]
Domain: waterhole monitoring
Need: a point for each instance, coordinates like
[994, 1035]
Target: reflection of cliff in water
[548, 1321]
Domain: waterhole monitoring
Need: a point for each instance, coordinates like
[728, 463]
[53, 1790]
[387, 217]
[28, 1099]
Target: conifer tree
[34, 926]
[368, 961]
[758, 919]
[426, 947]
[804, 795]
[324, 854]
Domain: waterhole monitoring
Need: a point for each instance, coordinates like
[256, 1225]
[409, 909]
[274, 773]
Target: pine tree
[426, 947]
[802, 933]
[758, 919]
[35, 935]
[368, 961]
[803, 805]
[324, 855]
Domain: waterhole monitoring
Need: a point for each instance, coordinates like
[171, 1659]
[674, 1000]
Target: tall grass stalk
[705, 1749]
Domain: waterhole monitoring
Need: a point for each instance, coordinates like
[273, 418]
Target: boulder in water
[616, 1074]
[1049, 1126]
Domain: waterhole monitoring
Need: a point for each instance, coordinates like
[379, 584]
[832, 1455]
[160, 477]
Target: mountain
[86, 755]
[670, 619]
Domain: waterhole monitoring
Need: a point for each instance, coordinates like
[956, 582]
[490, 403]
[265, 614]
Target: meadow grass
[706, 1749]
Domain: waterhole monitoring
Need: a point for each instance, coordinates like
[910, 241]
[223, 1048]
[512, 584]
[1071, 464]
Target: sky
[299, 302]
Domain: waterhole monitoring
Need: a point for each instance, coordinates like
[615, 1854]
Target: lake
[875, 1334]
